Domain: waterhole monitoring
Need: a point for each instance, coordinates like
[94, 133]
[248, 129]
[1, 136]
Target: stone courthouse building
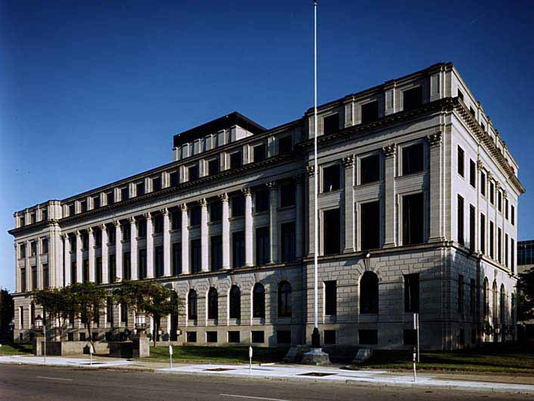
[418, 198]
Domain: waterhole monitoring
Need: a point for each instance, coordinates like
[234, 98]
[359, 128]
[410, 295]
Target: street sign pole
[416, 327]
[414, 359]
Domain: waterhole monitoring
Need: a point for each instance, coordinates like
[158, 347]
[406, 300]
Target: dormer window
[193, 172]
[22, 221]
[174, 178]
[213, 166]
[156, 183]
[44, 215]
[285, 145]
[125, 194]
[140, 188]
[72, 210]
[96, 202]
[83, 206]
[236, 160]
[331, 178]
[259, 153]
[369, 112]
[110, 198]
[32, 218]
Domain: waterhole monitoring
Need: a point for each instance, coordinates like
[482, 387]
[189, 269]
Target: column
[166, 243]
[249, 243]
[92, 275]
[18, 284]
[225, 232]
[436, 185]
[273, 221]
[149, 246]
[390, 195]
[348, 162]
[298, 217]
[55, 256]
[66, 262]
[311, 219]
[204, 237]
[27, 264]
[105, 257]
[79, 257]
[118, 250]
[133, 249]
[39, 250]
[185, 240]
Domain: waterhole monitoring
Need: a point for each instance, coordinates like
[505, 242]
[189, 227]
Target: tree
[86, 300]
[525, 285]
[57, 303]
[150, 298]
[7, 312]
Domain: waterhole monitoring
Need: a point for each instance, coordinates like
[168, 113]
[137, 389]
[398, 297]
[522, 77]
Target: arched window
[192, 305]
[258, 301]
[369, 293]
[235, 302]
[502, 304]
[284, 299]
[485, 301]
[213, 304]
[495, 302]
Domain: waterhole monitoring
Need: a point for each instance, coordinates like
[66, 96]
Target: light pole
[40, 324]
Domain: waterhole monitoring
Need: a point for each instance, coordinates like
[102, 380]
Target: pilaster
[118, 250]
[436, 187]
[348, 163]
[79, 258]
[225, 232]
[149, 246]
[133, 249]
[249, 244]
[273, 220]
[166, 243]
[185, 240]
[105, 254]
[204, 237]
[390, 195]
[91, 254]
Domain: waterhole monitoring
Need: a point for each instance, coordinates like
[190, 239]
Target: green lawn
[16, 349]
[514, 361]
[229, 355]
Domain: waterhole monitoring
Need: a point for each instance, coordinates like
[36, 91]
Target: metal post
[44, 335]
[170, 354]
[250, 360]
[416, 327]
[414, 359]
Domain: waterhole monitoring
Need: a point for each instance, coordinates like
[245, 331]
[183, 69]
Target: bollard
[170, 354]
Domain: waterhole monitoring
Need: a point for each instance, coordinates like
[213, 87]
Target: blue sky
[91, 93]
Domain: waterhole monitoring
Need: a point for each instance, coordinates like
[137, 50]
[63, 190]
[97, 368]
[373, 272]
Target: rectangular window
[491, 240]
[412, 219]
[213, 166]
[482, 233]
[460, 95]
[125, 194]
[98, 270]
[330, 298]
[196, 256]
[368, 337]
[83, 206]
[460, 222]
[215, 210]
[512, 214]
[110, 198]
[176, 220]
[216, 253]
[506, 250]
[85, 271]
[412, 98]
[506, 208]
[211, 336]
[174, 178]
[370, 225]
[331, 124]
[156, 183]
[461, 161]
[109, 312]
[263, 251]
[492, 192]
[499, 245]
[33, 278]
[44, 215]
[124, 314]
[283, 336]
[72, 210]
[22, 251]
[472, 227]
[238, 206]
[111, 235]
[46, 276]
[331, 178]
[287, 194]
[412, 159]
[331, 232]
[472, 173]
[285, 145]
[460, 293]
[370, 169]
[33, 248]
[126, 266]
[126, 232]
[238, 248]
[191, 336]
[330, 337]
[112, 269]
[512, 255]
[73, 272]
[261, 200]
[483, 183]
[258, 337]
[194, 215]
[236, 160]
[369, 112]
[96, 202]
[411, 293]
[259, 153]
[142, 263]
[192, 172]
[141, 228]
[158, 256]
[158, 224]
[23, 279]
[44, 246]
[234, 337]
[176, 259]
[289, 242]
[499, 201]
[140, 188]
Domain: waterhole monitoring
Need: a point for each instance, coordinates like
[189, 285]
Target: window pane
[370, 225]
[412, 159]
[369, 112]
[412, 215]
[412, 98]
[331, 178]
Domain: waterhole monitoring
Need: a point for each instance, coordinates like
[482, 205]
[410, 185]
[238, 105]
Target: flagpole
[315, 336]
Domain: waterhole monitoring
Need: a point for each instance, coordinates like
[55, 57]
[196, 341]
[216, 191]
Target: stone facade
[235, 210]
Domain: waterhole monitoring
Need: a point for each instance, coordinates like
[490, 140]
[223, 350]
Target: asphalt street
[20, 382]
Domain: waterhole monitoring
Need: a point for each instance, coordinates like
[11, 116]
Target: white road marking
[251, 397]
[54, 378]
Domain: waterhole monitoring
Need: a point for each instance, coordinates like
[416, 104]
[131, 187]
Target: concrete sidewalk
[332, 375]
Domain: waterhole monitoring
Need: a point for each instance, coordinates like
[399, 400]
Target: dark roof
[217, 125]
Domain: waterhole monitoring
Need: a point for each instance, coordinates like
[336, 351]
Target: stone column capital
[132, 220]
[390, 150]
[272, 185]
[435, 139]
[246, 191]
[164, 211]
[480, 165]
[147, 216]
[78, 233]
[310, 170]
[490, 176]
[183, 207]
[504, 194]
[223, 197]
[348, 161]
[203, 203]
[103, 227]
[90, 230]
[117, 223]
